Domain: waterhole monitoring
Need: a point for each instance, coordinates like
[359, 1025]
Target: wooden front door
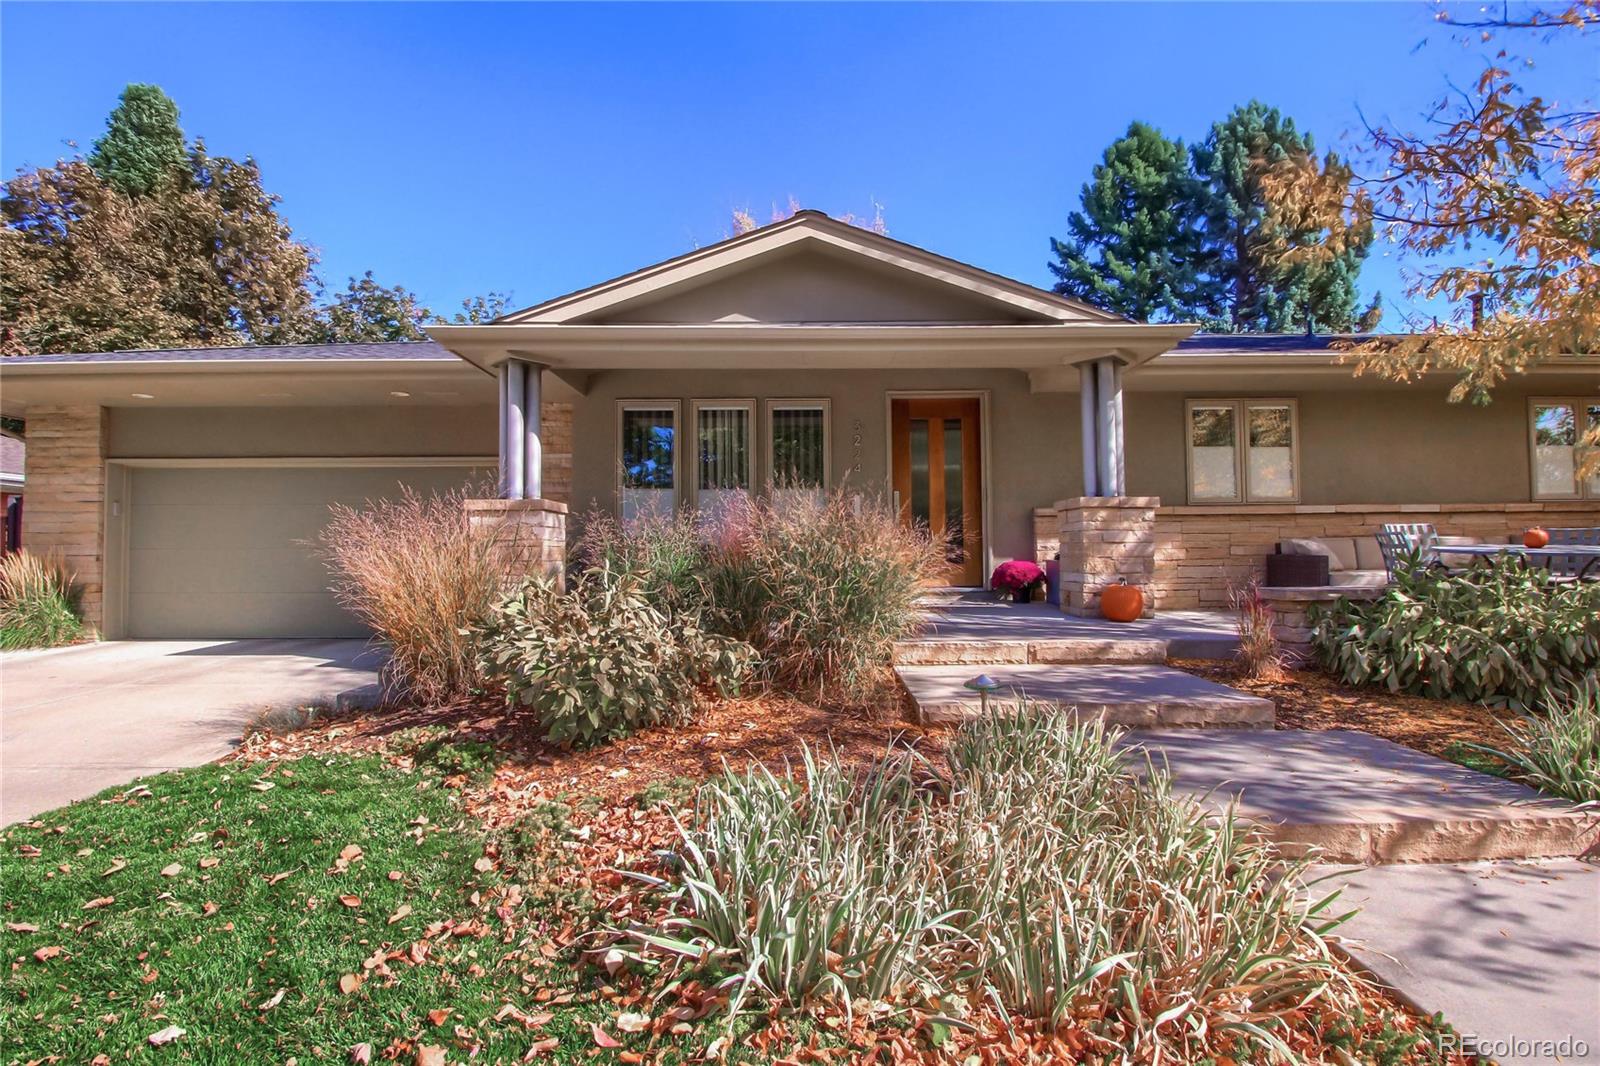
[937, 475]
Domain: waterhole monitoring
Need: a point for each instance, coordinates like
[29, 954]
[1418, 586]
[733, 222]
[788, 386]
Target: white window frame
[1580, 417]
[676, 407]
[745, 404]
[1241, 460]
[798, 403]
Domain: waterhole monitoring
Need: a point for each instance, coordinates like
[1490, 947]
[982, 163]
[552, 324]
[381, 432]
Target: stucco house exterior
[1016, 423]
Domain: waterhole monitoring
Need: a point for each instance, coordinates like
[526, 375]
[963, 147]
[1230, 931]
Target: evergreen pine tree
[1135, 246]
[142, 142]
[1263, 287]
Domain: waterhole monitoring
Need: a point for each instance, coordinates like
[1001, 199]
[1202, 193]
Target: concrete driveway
[77, 720]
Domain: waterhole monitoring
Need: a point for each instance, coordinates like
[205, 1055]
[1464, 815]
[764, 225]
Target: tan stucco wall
[1360, 446]
[813, 286]
[238, 432]
[1033, 438]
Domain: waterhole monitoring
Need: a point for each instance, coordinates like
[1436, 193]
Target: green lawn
[144, 946]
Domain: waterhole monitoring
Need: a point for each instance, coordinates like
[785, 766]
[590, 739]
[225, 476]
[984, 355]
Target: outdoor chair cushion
[1368, 555]
[1456, 560]
[1341, 551]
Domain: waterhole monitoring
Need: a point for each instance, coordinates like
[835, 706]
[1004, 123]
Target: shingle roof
[1265, 343]
[284, 352]
[12, 455]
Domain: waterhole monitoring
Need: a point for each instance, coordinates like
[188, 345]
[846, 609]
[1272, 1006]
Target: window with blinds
[648, 458]
[723, 453]
[798, 445]
[1243, 451]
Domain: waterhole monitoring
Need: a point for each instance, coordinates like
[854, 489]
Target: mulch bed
[1309, 699]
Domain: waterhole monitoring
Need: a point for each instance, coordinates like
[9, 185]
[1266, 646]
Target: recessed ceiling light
[143, 396]
[400, 395]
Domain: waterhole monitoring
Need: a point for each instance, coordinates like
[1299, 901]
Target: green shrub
[1558, 750]
[820, 586]
[1496, 635]
[601, 661]
[423, 578]
[1034, 871]
[38, 602]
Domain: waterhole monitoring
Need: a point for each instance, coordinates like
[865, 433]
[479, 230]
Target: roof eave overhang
[843, 347]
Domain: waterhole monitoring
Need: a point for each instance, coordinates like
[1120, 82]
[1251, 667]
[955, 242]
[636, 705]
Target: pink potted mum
[1018, 577]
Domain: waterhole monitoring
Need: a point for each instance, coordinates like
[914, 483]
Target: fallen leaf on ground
[263, 786]
[277, 998]
[208, 909]
[350, 901]
[428, 1055]
[164, 1036]
[21, 927]
[350, 852]
[361, 1054]
[349, 983]
[483, 865]
[400, 912]
[395, 875]
[438, 1015]
[633, 1023]
[603, 1038]
[173, 870]
[116, 864]
[539, 1047]
[46, 954]
[208, 862]
[273, 879]
[96, 904]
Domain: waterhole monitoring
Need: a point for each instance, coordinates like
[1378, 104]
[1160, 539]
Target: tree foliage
[1254, 246]
[1497, 198]
[743, 220]
[142, 145]
[1135, 247]
[200, 261]
[369, 313]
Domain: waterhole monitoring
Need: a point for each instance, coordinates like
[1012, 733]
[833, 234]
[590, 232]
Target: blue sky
[457, 148]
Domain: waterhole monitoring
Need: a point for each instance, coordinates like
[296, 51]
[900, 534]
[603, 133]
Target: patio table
[1590, 553]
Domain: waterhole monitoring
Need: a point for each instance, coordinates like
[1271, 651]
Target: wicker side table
[1296, 571]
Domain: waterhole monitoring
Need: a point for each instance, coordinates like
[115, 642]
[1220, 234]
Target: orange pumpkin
[1122, 602]
[1536, 538]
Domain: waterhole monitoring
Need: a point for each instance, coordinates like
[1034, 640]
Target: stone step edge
[1135, 714]
[1547, 835]
[1059, 651]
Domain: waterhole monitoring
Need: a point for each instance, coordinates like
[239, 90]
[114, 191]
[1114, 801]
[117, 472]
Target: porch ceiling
[1029, 348]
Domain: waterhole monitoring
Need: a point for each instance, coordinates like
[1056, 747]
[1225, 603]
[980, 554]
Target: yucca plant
[1033, 870]
[39, 601]
[1558, 750]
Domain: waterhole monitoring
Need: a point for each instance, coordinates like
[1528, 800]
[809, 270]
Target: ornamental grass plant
[820, 585]
[1031, 871]
[1557, 750]
[39, 600]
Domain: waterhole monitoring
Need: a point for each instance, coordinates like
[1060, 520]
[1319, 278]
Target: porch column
[521, 452]
[1100, 419]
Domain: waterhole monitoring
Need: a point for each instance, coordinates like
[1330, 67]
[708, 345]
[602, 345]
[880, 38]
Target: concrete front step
[1357, 798]
[1136, 696]
[1058, 651]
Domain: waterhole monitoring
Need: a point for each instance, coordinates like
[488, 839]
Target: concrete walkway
[78, 720]
[1509, 952]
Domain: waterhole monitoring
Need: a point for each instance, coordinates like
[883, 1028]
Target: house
[183, 485]
[13, 460]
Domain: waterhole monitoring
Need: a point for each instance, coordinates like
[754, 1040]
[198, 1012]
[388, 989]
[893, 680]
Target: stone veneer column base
[1291, 616]
[64, 498]
[1104, 538]
[531, 533]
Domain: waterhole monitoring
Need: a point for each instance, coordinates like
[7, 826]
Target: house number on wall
[855, 446]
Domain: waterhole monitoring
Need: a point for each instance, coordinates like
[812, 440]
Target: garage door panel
[229, 551]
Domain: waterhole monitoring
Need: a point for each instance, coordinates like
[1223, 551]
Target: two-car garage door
[223, 551]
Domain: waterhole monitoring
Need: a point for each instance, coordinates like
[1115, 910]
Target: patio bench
[1353, 562]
